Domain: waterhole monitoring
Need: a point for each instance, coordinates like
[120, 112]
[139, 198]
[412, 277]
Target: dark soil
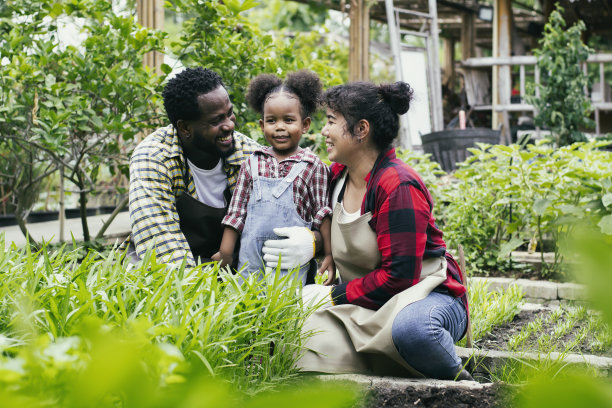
[493, 396]
[499, 336]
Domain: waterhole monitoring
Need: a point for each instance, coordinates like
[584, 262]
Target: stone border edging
[401, 383]
[542, 290]
[497, 358]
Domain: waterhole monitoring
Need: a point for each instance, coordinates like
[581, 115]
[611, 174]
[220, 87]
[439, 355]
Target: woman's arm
[400, 220]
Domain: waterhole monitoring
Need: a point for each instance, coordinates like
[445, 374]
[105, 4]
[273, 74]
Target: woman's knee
[410, 329]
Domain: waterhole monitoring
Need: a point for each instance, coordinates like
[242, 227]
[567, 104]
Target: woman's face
[340, 143]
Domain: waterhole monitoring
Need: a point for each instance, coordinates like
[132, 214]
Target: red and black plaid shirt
[309, 188]
[401, 208]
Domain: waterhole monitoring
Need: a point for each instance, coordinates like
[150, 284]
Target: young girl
[282, 185]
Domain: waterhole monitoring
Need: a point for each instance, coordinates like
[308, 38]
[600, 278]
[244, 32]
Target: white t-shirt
[209, 184]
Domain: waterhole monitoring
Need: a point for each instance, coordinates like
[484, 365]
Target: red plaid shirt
[406, 232]
[309, 188]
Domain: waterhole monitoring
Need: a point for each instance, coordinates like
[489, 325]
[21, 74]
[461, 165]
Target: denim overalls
[270, 206]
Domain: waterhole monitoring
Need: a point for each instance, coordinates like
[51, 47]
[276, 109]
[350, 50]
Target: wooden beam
[359, 41]
[150, 14]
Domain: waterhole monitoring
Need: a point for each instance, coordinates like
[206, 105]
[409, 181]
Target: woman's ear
[306, 125]
[362, 129]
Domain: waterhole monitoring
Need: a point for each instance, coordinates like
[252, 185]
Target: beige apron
[352, 339]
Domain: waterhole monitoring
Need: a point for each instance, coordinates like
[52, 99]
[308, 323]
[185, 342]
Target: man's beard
[213, 149]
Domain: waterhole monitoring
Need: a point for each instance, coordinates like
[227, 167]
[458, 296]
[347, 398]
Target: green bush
[506, 197]
[70, 107]
[219, 36]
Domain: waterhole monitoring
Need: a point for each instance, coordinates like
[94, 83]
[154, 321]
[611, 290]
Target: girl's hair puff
[304, 84]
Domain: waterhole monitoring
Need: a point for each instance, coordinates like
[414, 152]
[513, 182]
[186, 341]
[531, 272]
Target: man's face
[213, 133]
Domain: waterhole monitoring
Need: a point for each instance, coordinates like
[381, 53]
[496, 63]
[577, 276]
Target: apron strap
[254, 164]
[295, 171]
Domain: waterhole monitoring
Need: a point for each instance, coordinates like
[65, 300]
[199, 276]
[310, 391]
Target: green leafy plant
[562, 105]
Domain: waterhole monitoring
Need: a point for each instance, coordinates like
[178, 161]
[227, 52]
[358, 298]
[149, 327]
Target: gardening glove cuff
[318, 296]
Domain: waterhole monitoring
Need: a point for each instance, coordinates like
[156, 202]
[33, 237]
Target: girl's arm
[226, 250]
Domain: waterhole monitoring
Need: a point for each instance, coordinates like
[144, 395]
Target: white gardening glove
[295, 251]
[317, 295]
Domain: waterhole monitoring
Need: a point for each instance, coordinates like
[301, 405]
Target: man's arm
[153, 212]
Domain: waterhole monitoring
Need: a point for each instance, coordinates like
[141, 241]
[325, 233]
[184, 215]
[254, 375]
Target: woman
[400, 306]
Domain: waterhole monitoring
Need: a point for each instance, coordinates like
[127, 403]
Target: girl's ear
[261, 124]
[306, 125]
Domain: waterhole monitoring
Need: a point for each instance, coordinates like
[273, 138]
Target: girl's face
[282, 123]
[340, 143]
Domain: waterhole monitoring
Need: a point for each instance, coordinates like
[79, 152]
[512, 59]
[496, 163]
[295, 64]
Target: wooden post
[502, 46]
[467, 36]
[449, 62]
[359, 41]
[468, 332]
[151, 14]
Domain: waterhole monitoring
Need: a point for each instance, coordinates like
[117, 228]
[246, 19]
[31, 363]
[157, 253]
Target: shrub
[562, 105]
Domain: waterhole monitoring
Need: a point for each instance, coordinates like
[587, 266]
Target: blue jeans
[424, 333]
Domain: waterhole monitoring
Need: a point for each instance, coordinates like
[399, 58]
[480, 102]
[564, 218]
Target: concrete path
[49, 231]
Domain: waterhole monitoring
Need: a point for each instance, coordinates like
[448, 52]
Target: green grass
[60, 315]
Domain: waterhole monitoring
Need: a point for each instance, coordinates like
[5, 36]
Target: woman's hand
[317, 295]
[329, 266]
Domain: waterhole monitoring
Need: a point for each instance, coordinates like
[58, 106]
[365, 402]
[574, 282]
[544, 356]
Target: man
[182, 177]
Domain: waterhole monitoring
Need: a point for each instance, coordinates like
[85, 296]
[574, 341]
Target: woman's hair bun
[397, 96]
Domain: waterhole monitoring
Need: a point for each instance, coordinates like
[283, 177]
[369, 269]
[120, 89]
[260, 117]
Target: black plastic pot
[449, 147]
[42, 216]
[7, 220]
[76, 212]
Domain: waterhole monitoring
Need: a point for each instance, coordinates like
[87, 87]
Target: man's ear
[184, 128]
[306, 125]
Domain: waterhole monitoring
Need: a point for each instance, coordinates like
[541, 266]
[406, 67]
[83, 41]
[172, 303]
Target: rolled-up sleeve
[320, 194]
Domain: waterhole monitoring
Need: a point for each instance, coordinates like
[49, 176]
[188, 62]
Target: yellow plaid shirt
[156, 181]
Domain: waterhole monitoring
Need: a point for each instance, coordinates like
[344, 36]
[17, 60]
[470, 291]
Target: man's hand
[294, 251]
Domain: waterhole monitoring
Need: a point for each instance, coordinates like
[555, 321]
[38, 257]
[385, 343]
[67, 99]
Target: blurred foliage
[562, 105]
[590, 250]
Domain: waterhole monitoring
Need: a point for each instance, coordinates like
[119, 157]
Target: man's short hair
[181, 93]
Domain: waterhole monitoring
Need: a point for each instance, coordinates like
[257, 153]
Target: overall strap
[295, 171]
[254, 164]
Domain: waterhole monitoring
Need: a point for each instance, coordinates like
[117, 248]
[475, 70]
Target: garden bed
[558, 329]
